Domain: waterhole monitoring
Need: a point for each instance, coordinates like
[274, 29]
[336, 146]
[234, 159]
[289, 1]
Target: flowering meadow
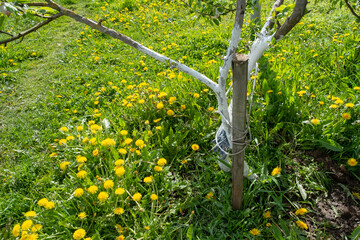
[98, 141]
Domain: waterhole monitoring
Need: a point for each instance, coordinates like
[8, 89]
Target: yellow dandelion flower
[137, 197]
[161, 162]
[211, 109]
[349, 105]
[30, 214]
[49, 205]
[42, 202]
[183, 107]
[92, 189]
[154, 197]
[158, 168]
[120, 171]
[64, 129]
[267, 214]
[95, 127]
[95, 152]
[62, 142]
[122, 151]
[172, 100]
[123, 132]
[268, 224]
[196, 95]
[103, 196]
[269, 91]
[81, 159]
[70, 138]
[119, 162]
[121, 237]
[276, 171]
[346, 116]
[108, 184]
[148, 179]
[302, 225]
[255, 231]
[119, 191]
[157, 120]
[301, 211]
[195, 147]
[108, 142]
[64, 165]
[92, 141]
[140, 143]
[339, 101]
[128, 141]
[315, 121]
[321, 103]
[78, 192]
[82, 215]
[86, 140]
[119, 211]
[352, 162]
[160, 105]
[36, 227]
[147, 227]
[79, 234]
[26, 225]
[79, 128]
[16, 230]
[82, 174]
[53, 155]
[356, 88]
[170, 112]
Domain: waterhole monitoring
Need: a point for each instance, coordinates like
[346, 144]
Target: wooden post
[240, 79]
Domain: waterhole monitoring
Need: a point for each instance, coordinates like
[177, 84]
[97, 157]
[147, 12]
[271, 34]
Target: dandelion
[158, 168]
[160, 105]
[147, 227]
[121, 237]
[95, 152]
[128, 141]
[16, 230]
[86, 140]
[158, 128]
[108, 142]
[92, 141]
[356, 88]
[315, 121]
[140, 143]
[276, 171]
[161, 162]
[148, 179]
[255, 231]
[170, 112]
[36, 227]
[352, 162]
[108, 184]
[269, 91]
[346, 116]
[211, 109]
[92, 189]
[62, 142]
[321, 103]
[123, 132]
[301, 93]
[119, 211]
[64, 165]
[183, 107]
[26, 225]
[81, 159]
[79, 234]
[162, 94]
[82, 174]
[70, 138]
[79, 128]
[119, 162]
[267, 214]
[119, 191]
[30, 214]
[339, 101]
[301, 211]
[78, 192]
[42, 202]
[172, 100]
[53, 155]
[95, 127]
[82, 215]
[122, 151]
[120, 171]
[196, 95]
[334, 106]
[195, 147]
[157, 120]
[209, 195]
[268, 224]
[302, 225]
[103, 196]
[154, 197]
[49, 205]
[137, 197]
[64, 129]
[349, 105]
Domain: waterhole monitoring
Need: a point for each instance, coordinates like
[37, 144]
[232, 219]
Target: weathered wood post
[240, 79]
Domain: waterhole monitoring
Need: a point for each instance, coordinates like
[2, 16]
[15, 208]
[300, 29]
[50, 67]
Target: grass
[67, 75]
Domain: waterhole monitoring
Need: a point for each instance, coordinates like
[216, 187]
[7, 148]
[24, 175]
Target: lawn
[99, 141]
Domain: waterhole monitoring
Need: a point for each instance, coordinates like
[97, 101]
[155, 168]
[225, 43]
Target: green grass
[68, 75]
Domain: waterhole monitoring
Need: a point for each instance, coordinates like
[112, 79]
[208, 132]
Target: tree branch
[6, 33]
[114, 34]
[351, 9]
[293, 19]
[30, 30]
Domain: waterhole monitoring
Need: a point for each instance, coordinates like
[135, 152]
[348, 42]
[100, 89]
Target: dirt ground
[339, 212]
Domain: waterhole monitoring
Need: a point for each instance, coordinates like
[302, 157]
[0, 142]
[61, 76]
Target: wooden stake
[240, 79]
